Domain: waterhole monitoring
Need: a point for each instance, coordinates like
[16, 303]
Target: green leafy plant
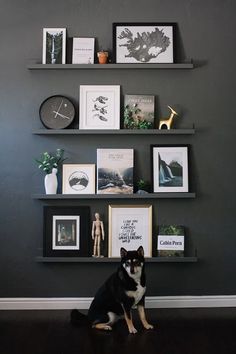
[143, 185]
[48, 161]
[131, 118]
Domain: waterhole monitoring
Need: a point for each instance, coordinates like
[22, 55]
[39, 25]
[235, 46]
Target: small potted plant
[102, 57]
[143, 186]
[49, 163]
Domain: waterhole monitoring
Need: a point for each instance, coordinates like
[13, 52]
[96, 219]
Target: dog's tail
[78, 319]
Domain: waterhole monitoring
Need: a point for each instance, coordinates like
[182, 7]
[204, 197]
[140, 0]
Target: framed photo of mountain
[139, 111]
[99, 107]
[170, 168]
[115, 171]
[54, 46]
[143, 43]
[78, 179]
[130, 226]
[170, 241]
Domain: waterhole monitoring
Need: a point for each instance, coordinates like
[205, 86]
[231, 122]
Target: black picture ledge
[185, 131]
[112, 196]
[42, 259]
[38, 66]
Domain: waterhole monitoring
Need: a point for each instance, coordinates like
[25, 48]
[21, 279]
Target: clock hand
[61, 115]
[58, 109]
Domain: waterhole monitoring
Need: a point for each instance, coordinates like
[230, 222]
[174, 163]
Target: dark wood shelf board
[42, 259]
[187, 131]
[38, 66]
[113, 196]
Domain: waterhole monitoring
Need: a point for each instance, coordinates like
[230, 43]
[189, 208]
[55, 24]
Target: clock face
[57, 112]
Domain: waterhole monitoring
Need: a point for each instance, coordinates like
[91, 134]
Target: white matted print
[115, 171]
[65, 232]
[170, 168]
[54, 46]
[83, 51]
[78, 179]
[99, 107]
[130, 227]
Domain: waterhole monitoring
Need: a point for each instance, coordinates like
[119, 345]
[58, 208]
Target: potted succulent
[143, 186]
[49, 163]
[102, 57]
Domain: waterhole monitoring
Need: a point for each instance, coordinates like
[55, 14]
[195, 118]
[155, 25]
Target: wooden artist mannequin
[97, 235]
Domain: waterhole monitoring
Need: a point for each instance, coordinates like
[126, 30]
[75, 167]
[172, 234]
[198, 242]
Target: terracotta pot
[102, 57]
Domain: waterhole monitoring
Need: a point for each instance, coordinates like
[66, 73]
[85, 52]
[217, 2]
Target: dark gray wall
[206, 33]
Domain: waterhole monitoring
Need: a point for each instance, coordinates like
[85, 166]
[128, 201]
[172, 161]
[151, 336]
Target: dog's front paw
[132, 330]
[148, 326]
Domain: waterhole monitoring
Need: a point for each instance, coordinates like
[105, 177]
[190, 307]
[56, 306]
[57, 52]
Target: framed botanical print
[170, 168]
[130, 226]
[99, 107]
[143, 42]
[115, 171]
[78, 179]
[66, 231]
[54, 46]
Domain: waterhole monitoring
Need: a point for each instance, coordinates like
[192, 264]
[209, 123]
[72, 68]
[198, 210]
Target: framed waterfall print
[143, 42]
[66, 231]
[54, 46]
[130, 226]
[99, 107]
[78, 179]
[170, 168]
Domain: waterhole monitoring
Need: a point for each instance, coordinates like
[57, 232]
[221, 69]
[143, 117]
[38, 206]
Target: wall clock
[57, 112]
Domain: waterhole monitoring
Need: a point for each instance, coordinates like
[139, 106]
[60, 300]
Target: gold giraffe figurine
[167, 122]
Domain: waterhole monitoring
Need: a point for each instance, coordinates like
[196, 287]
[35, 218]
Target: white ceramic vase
[50, 182]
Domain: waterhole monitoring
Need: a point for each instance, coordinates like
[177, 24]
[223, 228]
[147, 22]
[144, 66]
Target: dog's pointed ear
[123, 252]
[140, 251]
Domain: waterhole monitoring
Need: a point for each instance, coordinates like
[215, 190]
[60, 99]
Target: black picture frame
[66, 231]
[154, 32]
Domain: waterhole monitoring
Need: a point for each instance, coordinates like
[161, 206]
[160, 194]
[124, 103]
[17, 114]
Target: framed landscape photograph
[83, 50]
[99, 107]
[143, 42]
[78, 179]
[170, 168]
[54, 46]
[66, 231]
[115, 171]
[139, 111]
[130, 227]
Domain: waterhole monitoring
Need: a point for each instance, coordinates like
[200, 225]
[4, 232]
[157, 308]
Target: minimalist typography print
[146, 43]
[65, 232]
[170, 169]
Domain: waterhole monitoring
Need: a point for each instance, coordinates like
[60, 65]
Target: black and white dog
[123, 291]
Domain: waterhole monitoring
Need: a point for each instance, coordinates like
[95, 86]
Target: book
[139, 112]
[115, 171]
[170, 242]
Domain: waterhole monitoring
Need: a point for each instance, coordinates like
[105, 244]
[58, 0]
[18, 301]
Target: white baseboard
[84, 302]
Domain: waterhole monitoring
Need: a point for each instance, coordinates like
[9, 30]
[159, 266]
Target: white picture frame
[130, 226]
[83, 50]
[99, 107]
[66, 232]
[78, 179]
[54, 46]
[115, 171]
[170, 168]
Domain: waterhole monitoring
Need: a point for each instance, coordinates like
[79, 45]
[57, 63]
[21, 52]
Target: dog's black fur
[123, 290]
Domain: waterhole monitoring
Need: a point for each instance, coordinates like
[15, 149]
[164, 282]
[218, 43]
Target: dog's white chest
[137, 294]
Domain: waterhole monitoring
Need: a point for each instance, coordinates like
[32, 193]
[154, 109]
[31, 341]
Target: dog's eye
[136, 263]
[127, 263]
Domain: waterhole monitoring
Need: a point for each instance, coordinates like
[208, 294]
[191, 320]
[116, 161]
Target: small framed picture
[99, 107]
[83, 51]
[139, 111]
[170, 168]
[115, 168]
[78, 179]
[143, 42]
[54, 46]
[66, 231]
[130, 227]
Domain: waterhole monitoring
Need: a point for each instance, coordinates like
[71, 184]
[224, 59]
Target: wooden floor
[177, 331]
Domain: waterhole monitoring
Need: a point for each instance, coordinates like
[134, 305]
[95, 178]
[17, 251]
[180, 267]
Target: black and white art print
[99, 107]
[143, 42]
[130, 227]
[78, 179]
[54, 46]
[115, 171]
[66, 232]
[170, 168]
